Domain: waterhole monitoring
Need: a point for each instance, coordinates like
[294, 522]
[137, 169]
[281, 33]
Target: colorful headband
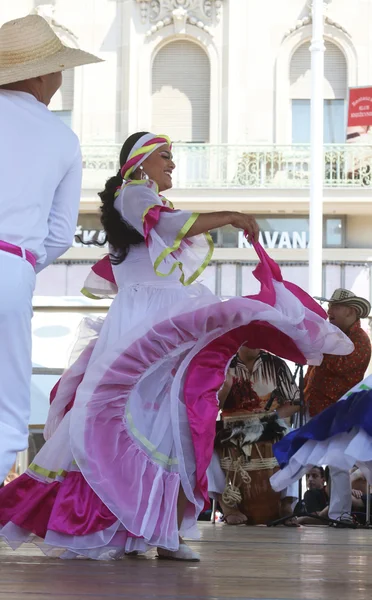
[141, 150]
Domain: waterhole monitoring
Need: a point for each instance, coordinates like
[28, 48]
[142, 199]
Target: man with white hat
[40, 184]
[325, 384]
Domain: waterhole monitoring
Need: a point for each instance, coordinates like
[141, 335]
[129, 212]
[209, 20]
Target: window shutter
[335, 73]
[181, 92]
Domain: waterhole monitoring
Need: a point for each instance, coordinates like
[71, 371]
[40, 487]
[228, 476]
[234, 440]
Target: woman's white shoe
[184, 552]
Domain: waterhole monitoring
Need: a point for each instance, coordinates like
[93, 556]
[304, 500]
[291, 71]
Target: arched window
[335, 94]
[181, 92]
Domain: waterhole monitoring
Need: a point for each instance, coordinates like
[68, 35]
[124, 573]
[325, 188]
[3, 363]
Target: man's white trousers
[341, 500]
[16, 289]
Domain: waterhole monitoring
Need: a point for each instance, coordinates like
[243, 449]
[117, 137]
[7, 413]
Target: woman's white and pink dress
[133, 418]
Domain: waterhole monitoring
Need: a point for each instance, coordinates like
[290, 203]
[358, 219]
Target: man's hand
[225, 390]
[356, 493]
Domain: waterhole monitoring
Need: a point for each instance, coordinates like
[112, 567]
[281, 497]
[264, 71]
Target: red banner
[359, 118]
[359, 131]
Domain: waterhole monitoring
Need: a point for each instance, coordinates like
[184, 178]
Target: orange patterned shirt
[325, 384]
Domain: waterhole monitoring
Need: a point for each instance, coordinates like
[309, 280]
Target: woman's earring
[143, 174]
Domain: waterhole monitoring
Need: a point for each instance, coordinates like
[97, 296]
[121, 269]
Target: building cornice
[204, 14]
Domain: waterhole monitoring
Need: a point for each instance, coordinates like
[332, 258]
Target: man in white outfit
[40, 181]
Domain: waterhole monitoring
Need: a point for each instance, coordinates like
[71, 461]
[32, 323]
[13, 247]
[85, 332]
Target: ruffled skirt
[133, 419]
[340, 437]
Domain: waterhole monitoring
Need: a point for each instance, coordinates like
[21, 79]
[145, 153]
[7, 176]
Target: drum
[259, 501]
[248, 469]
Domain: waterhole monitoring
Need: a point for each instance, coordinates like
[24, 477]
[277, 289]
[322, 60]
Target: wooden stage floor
[244, 563]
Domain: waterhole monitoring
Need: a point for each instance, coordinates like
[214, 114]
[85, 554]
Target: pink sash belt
[12, 249]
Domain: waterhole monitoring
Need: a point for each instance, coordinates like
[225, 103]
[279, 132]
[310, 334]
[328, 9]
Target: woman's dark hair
[119, 234]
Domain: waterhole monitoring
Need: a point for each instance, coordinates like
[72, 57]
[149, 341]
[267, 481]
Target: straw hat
[30, 48]
[342, 296]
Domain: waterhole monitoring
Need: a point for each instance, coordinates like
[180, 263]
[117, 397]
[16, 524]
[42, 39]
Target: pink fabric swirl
[69, 507]
[151, 219]
[268, 270]
[206, 374]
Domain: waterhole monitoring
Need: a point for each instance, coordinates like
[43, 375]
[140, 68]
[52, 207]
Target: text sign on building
[88, 236]
[277, 239]
[359, 129]
[268, 239]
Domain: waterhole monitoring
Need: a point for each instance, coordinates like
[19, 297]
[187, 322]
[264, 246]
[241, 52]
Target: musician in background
[336, 375]
[258, 394]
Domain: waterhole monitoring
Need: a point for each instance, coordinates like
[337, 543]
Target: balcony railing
[227, 166]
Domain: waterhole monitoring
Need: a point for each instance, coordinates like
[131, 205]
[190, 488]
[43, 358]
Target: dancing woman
[131, 427]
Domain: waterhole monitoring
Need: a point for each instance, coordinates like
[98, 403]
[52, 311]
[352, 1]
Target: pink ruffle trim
[69, 507]
[151, 219]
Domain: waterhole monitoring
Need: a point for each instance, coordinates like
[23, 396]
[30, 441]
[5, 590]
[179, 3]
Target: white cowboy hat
[342, 296]
[30, 48]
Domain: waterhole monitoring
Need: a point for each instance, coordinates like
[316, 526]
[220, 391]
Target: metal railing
[243, 166]
[78, 308]
[47, 370]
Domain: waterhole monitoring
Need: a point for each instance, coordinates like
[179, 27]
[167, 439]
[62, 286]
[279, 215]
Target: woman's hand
[248, 223]
[208, 221]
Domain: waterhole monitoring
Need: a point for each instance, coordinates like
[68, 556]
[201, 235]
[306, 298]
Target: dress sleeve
[164, 230]
[100, 282]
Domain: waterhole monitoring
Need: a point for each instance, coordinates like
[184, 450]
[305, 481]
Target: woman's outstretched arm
[214, 220]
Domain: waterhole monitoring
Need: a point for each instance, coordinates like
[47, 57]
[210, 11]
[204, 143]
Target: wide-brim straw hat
[342, 296]
[30, 48]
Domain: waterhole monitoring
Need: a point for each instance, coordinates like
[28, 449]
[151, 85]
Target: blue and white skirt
[340, 436]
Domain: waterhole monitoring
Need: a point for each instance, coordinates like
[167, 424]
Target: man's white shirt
[40, 178]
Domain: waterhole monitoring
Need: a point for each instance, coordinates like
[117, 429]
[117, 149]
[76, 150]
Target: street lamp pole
[317, 49]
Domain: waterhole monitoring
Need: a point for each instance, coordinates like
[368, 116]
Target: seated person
[358, 481]
[257, 396]
[316, 498]
[359, 494]
[12, 475]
